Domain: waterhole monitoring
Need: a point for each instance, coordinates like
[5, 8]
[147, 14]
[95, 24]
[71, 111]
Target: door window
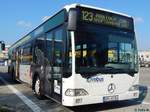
[49, 46]
[58, 47]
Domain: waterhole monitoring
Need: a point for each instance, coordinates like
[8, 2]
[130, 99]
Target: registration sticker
[110, 98]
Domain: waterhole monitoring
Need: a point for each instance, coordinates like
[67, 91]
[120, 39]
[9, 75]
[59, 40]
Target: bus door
[55, 56]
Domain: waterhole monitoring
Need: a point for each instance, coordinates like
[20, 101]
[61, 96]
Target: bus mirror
[72, 19]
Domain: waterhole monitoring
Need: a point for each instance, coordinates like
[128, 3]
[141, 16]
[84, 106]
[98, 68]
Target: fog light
[134, 88]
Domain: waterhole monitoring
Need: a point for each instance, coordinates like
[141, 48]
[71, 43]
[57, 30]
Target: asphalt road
[13, 102]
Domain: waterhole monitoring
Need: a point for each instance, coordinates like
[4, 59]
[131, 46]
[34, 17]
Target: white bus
[81, 55]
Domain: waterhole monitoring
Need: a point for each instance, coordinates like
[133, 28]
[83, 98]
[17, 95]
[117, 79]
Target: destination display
[105, 18]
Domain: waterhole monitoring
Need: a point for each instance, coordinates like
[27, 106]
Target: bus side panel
[25, 74]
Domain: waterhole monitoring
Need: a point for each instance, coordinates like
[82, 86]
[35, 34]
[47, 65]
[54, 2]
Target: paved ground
[11, 101]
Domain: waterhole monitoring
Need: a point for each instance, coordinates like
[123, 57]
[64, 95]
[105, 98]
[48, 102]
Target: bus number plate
[110, 98]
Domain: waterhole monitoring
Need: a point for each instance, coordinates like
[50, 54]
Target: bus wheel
[37, 88]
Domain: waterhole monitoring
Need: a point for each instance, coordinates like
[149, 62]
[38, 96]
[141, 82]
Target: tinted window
[26, 54]
[39, 51]
[58, 47]
[49, 40]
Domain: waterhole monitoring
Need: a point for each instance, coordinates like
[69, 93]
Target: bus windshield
[105, 52]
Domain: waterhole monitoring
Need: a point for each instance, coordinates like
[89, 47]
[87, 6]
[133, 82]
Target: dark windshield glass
[100, 51]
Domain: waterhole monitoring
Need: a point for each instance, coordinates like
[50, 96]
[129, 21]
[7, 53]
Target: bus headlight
[76, 92]
[134, 88]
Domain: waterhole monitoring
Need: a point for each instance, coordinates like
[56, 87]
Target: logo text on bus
[95, 79]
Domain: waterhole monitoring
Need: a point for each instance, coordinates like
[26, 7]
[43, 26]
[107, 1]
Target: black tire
[37, 88]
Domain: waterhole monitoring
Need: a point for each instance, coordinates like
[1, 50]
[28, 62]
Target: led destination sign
[105, 18]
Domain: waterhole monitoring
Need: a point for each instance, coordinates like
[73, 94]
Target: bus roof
[67, 7]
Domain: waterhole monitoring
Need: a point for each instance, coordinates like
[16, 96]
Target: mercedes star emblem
[111, 88]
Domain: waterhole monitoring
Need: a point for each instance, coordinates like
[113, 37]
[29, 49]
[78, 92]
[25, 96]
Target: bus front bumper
[85, 100]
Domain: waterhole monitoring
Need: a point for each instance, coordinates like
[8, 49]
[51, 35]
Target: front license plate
[110, 98]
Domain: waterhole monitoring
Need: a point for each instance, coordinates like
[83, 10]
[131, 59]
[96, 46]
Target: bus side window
[26, 55]
[49, 39]
[39, 51]
[58, 47]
